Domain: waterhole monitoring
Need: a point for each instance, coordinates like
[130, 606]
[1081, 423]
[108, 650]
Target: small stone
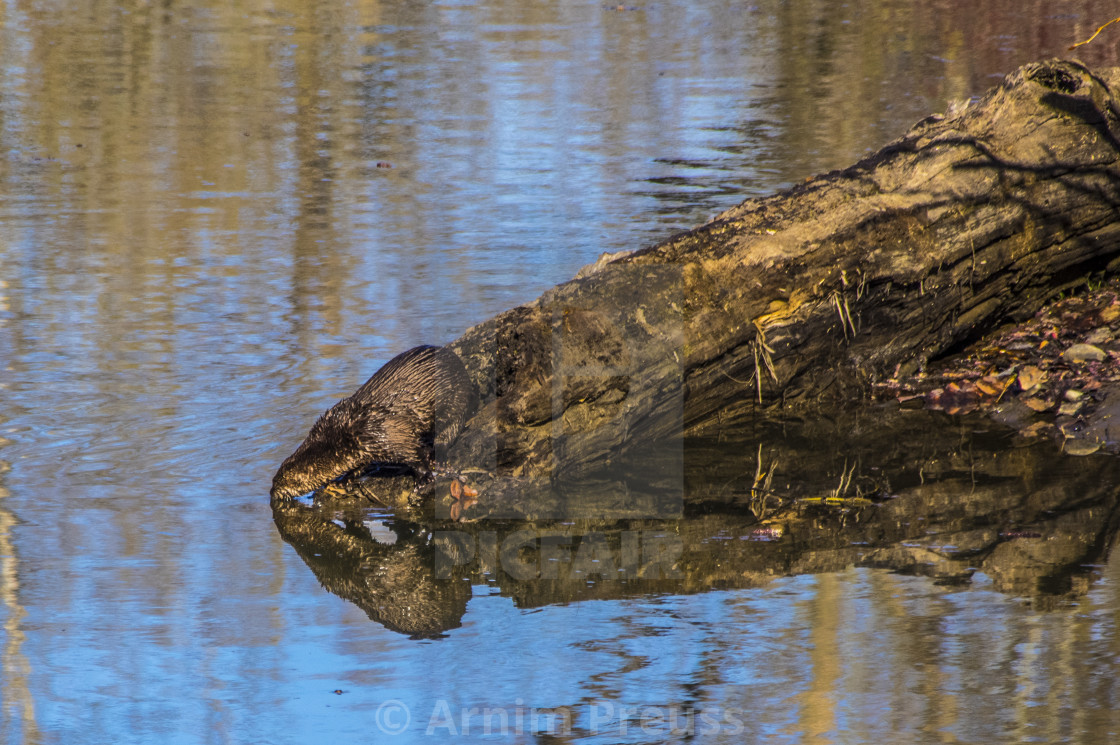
[1073, 395]
[1099, 336]
[1084, 353]
[1081, 447]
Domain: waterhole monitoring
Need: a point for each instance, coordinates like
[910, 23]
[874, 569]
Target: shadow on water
[908, 491]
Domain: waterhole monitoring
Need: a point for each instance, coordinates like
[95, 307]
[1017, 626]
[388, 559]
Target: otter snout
[417, 402]
[285, 487]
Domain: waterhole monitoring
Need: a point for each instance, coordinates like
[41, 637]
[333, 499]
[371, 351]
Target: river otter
[408, 413]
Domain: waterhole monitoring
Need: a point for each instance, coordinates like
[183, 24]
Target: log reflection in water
[905, 491]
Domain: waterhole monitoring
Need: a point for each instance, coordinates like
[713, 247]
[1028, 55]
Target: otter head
[330, 450]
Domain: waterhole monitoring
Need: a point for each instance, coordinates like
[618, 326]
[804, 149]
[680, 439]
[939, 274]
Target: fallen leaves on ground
[1052, 363]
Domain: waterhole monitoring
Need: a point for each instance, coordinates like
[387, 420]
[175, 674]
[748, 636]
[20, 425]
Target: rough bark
[969, 220]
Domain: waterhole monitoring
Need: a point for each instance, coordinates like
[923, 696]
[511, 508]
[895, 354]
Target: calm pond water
[216, 219]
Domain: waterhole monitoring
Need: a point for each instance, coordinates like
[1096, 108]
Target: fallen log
[782, 304]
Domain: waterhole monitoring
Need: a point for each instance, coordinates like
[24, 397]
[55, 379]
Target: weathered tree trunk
[969, 220]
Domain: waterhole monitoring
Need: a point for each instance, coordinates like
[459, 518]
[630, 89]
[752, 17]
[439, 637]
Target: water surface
[216, 220]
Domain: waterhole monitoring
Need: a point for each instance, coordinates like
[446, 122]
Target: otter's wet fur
[408, 414]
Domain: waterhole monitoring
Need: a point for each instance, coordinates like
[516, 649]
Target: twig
[1102, 28]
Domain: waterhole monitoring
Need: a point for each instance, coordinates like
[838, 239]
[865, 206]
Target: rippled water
[216, 220]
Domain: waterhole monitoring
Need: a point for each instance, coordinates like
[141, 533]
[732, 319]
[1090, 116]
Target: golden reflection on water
[817, 704]
[17, 713]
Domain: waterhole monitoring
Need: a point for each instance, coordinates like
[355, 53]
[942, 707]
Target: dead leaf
[1070, 408]
[989, 385]
[1030, 377]
[1038, 404]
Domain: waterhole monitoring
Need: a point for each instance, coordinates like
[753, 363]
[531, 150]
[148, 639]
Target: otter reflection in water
[417, 580]
[1035, 523]
[408, 414]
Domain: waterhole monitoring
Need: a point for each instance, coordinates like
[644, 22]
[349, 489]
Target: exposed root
[760, 489]
[840, 303]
